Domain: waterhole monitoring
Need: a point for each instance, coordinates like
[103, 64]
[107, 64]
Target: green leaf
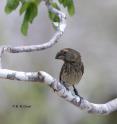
[24, 27]
[63, 2]
[25, 24]
[70, 7]
[37, 1]
[53, 16]
[33, 9]
[55, 5]
[30, 13]
[11, 5]
[24, 7]
[60, 1]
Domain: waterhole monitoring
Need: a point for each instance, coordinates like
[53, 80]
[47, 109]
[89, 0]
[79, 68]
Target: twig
[32, 48]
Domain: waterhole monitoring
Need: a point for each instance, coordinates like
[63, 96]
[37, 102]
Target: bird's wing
[60, 74]
[82, 68]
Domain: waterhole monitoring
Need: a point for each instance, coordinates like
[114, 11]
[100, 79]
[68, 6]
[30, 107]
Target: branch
[60, 27]
[43, 77]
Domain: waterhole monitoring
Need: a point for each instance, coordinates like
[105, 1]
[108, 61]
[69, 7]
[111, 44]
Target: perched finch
[72, 69]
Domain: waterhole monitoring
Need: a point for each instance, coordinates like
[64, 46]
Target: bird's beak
[59, 56]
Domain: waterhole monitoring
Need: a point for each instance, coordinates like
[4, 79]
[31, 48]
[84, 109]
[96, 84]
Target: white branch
[32, 48]
[43, 77]
[60, 27]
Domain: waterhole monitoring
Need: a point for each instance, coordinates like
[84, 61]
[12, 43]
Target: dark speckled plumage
[72, 69]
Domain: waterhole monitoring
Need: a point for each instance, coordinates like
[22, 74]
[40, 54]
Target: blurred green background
[93, 32]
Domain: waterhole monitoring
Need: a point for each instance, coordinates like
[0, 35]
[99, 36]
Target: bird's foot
[76, 93]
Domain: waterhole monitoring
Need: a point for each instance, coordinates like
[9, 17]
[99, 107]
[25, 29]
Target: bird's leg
[76, 93]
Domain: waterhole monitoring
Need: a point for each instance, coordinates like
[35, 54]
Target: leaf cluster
[29, 8]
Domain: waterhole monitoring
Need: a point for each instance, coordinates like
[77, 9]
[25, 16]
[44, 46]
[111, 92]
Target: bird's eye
[64, 53]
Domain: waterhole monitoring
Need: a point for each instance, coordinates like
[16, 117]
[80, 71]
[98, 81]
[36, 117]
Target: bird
[72, 70]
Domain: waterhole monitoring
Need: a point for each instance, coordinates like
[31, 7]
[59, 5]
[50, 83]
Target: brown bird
[72, 69]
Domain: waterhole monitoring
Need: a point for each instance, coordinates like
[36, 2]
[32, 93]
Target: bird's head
[68, 55]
